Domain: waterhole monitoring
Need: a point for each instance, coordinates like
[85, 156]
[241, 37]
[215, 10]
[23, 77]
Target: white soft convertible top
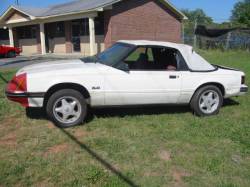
[194, 61]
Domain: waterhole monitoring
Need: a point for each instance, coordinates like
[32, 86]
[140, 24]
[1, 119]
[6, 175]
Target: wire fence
[234, 40]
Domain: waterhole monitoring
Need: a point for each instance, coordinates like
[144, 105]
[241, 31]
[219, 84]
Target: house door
[76, 39]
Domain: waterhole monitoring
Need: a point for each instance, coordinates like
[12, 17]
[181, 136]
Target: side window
[155, 59]
[182, 66]
[141, 59]
[150, 55]
[134, 56]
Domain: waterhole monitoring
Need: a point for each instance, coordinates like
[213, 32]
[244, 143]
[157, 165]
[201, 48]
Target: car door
[142, 86]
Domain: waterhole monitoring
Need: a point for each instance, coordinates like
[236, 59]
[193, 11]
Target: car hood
[62, 66]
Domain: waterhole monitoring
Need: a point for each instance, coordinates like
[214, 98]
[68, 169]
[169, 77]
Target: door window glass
[154, 59]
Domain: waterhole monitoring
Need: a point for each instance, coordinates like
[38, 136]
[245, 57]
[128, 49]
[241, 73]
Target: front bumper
[26, 99]
[25, 94]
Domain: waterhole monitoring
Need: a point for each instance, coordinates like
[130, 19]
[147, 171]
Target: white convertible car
[128, 73]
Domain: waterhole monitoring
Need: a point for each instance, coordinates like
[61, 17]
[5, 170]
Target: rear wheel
[207, 101]
[11, 54]
[67, 108]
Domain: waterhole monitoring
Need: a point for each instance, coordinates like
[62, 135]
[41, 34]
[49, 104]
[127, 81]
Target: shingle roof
[75, 7]
[70, 7]
[32, 11]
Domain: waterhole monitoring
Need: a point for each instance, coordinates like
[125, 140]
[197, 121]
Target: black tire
[70, 93]
[11, 54]
[195, 102]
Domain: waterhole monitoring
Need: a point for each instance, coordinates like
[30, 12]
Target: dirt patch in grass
[152, 174]
[8, 122]
[51, 125]
[57, 149]
[9, 140]
[81, 133]
[236, 158]
[165, 155]
[44, 183]
[178, 175]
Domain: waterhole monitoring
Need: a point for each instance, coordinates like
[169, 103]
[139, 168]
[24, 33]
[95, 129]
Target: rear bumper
[244, 89]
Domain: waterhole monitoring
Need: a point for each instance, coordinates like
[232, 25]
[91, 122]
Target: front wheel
[67, 108]
[207, 101]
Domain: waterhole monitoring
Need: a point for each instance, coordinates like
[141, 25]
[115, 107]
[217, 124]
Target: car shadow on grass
[147, 110]
[139, 110]
[230, 102]
[37, 113]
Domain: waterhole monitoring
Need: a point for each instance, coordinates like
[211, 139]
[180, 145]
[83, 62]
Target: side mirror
[123, 66]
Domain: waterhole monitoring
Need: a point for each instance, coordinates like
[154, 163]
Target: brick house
[89, 26]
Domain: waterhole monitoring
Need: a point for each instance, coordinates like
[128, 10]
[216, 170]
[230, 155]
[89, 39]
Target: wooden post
[92, 35]
[228, 40]
[195, 37]
[42, 37]
[11, 37]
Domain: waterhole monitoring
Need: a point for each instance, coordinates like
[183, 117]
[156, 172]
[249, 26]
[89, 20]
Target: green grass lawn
[164, 146]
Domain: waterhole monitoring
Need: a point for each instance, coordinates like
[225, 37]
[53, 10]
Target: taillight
[18, 84]
[243, 80]
[19, 50]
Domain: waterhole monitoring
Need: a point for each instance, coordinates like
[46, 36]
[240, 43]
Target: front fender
[38, 83]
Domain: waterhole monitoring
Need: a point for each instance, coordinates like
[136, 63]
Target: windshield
[114, 54]
[111, 56]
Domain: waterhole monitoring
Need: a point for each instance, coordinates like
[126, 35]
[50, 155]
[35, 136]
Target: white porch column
[42, 38]
[92, 35]
[11, 37]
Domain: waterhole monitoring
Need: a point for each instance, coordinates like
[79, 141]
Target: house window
[84, 26]
[4, 34]
[81, 27]
[84, 31]
[99, 24]
[55, 30]
[59, 29]
[27, 32]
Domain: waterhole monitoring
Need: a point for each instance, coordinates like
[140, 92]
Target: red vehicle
[9, 52]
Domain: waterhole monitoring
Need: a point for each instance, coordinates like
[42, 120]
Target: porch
[81, 34]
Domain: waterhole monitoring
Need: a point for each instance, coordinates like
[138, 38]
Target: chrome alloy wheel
[67, 109]
[209, 102]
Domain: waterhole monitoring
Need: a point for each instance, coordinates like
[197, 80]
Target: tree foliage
[241, 13]
[198, 15]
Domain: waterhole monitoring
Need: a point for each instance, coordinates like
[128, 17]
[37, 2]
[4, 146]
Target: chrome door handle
[173, 76]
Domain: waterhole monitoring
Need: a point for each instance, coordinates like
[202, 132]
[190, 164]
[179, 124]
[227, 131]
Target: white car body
[108, 86]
